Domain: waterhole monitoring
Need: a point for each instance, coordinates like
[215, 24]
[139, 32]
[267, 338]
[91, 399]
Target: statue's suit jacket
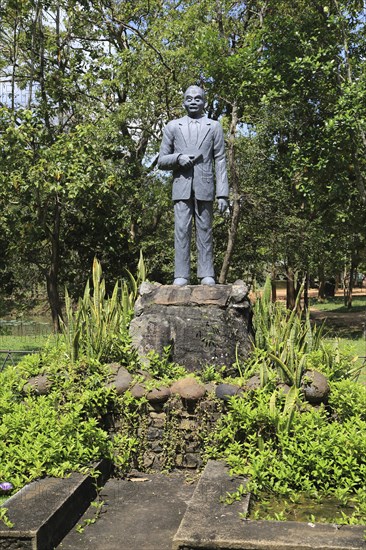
[200, 177]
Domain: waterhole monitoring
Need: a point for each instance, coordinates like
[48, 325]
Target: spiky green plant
[286, 344]
[97, 327]
[286, 338]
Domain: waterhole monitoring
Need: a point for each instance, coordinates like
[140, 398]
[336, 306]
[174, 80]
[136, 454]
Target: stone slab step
[45, 510]
[210, 524]
[208, 520]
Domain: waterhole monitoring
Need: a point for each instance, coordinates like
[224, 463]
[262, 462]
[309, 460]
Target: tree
[78, 165]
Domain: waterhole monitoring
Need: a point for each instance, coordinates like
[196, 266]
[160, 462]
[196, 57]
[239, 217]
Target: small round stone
[39, 384]
[315, 387]
[239, 291]
[188, 388]
[253, 383]
[225, 391]
[121, 381]
[113, 368]
[283, 388]
[138, 391]
[158, 395]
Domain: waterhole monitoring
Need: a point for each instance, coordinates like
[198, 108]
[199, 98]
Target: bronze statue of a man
[191, 146]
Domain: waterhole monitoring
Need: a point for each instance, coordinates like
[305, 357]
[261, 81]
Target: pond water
[306, 509]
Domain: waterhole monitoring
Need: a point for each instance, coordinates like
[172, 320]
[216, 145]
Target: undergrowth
[285, 446]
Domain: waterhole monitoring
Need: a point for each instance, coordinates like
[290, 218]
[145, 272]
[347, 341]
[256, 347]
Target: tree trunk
[321, 290]
[306, 291]
[52, 275]
[234, 181]
[273, 291]
[273, 285]
[348, 289]
[290, 288]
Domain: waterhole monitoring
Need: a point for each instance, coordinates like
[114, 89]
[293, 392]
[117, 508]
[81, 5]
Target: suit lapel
[183, 126]
[205, 128]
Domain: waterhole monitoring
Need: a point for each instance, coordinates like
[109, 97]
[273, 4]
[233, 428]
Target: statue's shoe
[180, 281]
[208, 281]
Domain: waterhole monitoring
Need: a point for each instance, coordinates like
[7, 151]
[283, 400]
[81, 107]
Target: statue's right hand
[185, 161]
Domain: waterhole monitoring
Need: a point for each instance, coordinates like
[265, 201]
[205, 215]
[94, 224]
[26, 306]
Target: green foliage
[318, 454]
[98, 327]
[335, 363]
[57, 433]
[287, 447]
[212, 373]
[78, 163]
[129, 442]
[4, 518]
[161, 366]
[286, 344]
[62, 431]
[98, 506]
[348, 399]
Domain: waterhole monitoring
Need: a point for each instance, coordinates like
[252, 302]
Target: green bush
[285, 446]
[56, 433]
[348, 399]
[286, 344]
[97, 328]
[322, 453]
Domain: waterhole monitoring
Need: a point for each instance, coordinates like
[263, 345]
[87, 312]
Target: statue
[190, 147]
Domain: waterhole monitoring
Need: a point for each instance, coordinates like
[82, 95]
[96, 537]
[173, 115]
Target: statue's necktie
[195, 126]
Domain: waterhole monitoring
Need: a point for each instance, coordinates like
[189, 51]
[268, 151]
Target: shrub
[98, 327]
[56, 433]
[322, 453]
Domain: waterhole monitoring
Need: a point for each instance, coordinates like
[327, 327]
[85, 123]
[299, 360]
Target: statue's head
[194, 101]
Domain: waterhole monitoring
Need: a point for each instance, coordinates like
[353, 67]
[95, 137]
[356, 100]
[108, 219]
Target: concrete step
[210, 524]
[140, 512]
[45, 510]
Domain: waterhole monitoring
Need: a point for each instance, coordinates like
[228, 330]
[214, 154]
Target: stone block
[202, 324]
[192, 460]
[188, 425]
[45, 510]
[154, 434]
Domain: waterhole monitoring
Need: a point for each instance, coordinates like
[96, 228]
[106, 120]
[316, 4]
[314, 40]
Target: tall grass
[286, 343]
[97, 327]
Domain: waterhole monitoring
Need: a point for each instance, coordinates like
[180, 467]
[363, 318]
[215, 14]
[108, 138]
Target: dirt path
[352, 320]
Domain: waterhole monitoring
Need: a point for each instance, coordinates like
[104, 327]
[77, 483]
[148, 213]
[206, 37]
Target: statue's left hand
[222, 205]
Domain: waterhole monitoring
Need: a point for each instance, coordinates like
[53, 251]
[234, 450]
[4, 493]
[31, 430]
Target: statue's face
[194, 101]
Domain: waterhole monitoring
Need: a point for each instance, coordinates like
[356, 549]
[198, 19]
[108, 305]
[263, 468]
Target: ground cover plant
[63, 431]
[66, 429]
[287, 447]
[56, 433]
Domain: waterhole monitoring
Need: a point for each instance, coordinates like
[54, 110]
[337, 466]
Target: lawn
[21, 344]
[345, 325]
[337, 304]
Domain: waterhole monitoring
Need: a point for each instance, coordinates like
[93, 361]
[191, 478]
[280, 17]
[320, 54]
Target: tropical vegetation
[88, 87]
[286, 446]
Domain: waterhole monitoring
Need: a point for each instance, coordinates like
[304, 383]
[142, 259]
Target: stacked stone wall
[171, 435]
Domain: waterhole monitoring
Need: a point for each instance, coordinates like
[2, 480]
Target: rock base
[203, 325]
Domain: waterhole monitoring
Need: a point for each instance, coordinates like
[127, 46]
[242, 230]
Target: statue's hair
[198, 87]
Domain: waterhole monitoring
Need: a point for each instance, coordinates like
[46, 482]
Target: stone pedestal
[204, 325]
